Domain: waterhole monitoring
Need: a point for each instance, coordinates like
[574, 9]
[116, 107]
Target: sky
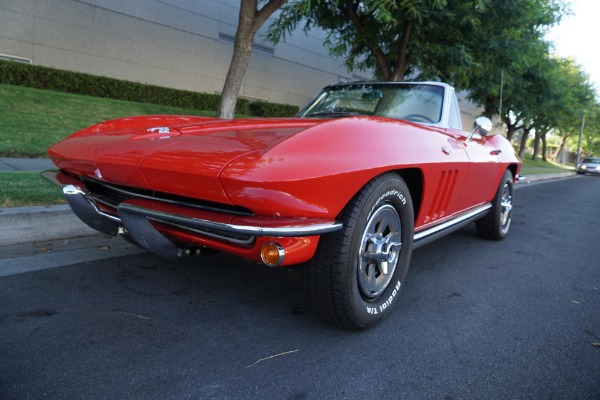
[577, 36]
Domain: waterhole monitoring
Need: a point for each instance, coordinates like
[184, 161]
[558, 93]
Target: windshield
[411, 102]
[590, 160]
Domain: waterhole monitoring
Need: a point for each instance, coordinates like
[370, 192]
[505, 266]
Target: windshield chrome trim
[449, 94]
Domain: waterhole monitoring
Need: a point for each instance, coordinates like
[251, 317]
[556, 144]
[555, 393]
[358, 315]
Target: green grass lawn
[542, 167]
[18, 189]
[34, 119]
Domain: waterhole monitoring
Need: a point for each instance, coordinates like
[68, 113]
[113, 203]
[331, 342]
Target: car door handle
[495, 152]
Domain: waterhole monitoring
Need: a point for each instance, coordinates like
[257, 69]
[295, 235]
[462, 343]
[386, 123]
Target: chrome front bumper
[135, 217]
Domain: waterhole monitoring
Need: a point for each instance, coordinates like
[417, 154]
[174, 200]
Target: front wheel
[496, 223]
[358, 271]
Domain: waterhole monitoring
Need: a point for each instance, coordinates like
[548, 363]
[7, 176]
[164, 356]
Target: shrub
[264, 109]
[35, 76]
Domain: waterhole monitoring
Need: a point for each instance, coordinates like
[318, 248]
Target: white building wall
[173, 43]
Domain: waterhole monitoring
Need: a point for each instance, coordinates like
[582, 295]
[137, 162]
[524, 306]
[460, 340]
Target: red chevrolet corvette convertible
[363, 175]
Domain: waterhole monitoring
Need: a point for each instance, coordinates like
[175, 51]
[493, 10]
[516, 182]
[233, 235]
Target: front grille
[110, 196]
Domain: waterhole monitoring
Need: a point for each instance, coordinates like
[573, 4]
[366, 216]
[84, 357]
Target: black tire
[346, 280]
[496, 223]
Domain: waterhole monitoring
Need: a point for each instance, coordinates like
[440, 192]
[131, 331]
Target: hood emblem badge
[159, 129]
[159, 132]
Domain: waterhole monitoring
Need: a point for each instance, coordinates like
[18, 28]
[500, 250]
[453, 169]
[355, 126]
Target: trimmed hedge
[264, 109]
[35, 76]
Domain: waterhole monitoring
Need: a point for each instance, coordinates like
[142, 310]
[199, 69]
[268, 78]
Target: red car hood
[181, 155]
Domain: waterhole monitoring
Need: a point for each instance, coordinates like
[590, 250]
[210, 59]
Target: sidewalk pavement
[42, 223]
[25, 164]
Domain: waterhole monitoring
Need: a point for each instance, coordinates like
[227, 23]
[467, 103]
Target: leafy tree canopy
[451, 40]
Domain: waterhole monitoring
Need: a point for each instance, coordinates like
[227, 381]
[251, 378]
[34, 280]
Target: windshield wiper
[333, 114]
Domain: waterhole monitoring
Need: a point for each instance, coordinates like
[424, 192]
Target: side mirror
[482, 126]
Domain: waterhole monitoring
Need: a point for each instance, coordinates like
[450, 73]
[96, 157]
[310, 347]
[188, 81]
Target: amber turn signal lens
[272, 254]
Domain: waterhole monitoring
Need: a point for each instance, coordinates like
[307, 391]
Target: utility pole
[579, 145]
[500, 106]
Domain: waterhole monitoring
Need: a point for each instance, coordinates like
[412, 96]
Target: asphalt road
[516, 319]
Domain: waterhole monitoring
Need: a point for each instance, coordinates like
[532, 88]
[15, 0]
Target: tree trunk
[544, 147]
[250, 20]
[511, 128]
[402, 63]
[536, 147]
[523, 144]
[510, 131]
[561, 146]
[242, 51]
[388, 71]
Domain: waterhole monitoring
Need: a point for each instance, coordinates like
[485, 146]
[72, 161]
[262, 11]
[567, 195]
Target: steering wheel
[418, 118]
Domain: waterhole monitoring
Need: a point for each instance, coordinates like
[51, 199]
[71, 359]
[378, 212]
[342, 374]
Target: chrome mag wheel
[379, 250]
[506, 206]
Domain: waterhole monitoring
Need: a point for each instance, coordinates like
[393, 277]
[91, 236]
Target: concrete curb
[545, 177]
[40, 223]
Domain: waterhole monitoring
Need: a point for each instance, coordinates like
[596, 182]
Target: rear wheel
[358, 271]
[496, 223]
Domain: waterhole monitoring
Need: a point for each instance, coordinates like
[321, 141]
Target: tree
[591, 133]
[558, 92]
[578, 97]
[452, 40]
[367, 34]
[551, 96]
[250, 20]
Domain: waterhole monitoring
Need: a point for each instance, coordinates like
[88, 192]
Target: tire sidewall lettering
[393, 192]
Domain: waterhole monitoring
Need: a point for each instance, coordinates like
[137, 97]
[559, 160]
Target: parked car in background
[363, 175]
[590, 165]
